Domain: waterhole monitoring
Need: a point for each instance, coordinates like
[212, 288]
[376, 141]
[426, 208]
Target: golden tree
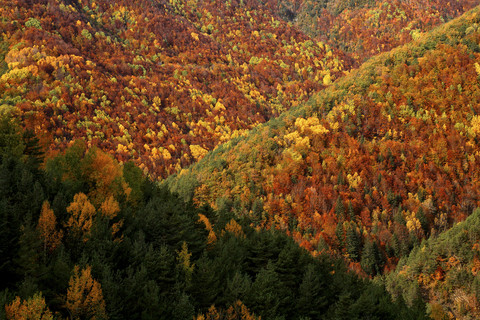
[47, 223]
[110, 208]
[84, 296]
[82, 214]
[234, 228]
[212, 237]
[33, 308]
[184, 260]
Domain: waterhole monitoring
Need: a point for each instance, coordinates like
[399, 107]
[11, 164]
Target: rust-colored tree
[82, 215]
[33, 308]
[84, 296]
[47, 228]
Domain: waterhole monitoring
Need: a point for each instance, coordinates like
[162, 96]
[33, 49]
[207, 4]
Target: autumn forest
[239, 159]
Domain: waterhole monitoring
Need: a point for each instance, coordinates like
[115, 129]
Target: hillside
[159, 82]
[444, 270]
[163, 82]
[380, 160]
[320, 159]
[364, 28]
[88, 238]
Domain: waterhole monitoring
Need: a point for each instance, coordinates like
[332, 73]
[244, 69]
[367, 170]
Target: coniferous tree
[312, 299]
[352, 242]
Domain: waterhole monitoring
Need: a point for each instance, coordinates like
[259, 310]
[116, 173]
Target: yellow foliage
[194, 36]
[475, 125]
[477, 68]
[183, 257]
[234, 228]
[413, 224]
[19, 74]
[354, 180]
[33, 308]
[84, 296]
[219, 106]
[212, 237]
[166, 154]
[294, 139]
[293, 154]
[46, 227]
[82, 213]
[237, 311]
[311, 124]
[18, 58]
[198, 152]
[110, 207]
[345, 108]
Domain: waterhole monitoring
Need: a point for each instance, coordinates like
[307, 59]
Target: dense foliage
[369, 167]
[445, 270]
[163, 82]
[370, 170]
[86, 238]
[364, 28]
[157, 82]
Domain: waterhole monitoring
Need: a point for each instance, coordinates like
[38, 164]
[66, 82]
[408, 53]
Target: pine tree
[353, 242]
[237, 288]
[264, 296]
[371, 261]
[312, 301]
[339, 207]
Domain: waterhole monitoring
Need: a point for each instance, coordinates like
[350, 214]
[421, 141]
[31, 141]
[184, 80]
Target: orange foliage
[82, 215]
[212, 237]
[234, 228]
[47, 223]
[30, 309]
[84, 296]
[237, 311]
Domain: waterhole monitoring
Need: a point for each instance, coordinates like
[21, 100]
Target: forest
[87, 238]
[383, 159]
[240, 159]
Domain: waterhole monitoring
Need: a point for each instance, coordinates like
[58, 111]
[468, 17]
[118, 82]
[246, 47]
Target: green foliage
[33, 23]
[158, 266]
[445, 264]
[11, 144]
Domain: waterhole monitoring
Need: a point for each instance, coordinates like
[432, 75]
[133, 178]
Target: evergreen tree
[353, 242]
[371, 261]
[205, 287]
[264, 296]
[312, 298]
[237, 288]
[339, 207]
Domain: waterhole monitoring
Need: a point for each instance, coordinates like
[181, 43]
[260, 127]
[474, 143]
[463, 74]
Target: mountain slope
[159, 82]
[88, 238]
[370, 166]
[444, 270]
[162, 82]
[367, 27]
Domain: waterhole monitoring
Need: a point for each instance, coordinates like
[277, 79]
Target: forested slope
[87, 238]
[382, 159]
[163, 82]
[364, 28]
[159, 82]
[444, 270]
